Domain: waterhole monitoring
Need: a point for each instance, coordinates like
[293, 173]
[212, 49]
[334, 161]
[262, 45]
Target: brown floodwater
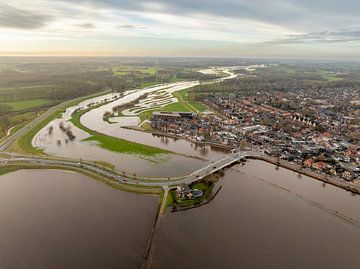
[93, 120]
[163, 165]
[53, 219]
[263, 218]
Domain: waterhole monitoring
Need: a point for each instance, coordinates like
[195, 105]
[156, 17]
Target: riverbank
[216, 146]
[113, 143]
[23, 143]
[238, 221]
[205, 202]
[8, 168]
[321, 177]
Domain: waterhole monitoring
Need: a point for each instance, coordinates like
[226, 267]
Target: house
[185, 192]
[319, 165]
[163, 115]
[309, 162]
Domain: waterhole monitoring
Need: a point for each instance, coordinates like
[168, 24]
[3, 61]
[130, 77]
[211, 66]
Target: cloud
[131, 26]
[87, 25]
[344, 35]
[297, 14]
[13, 17]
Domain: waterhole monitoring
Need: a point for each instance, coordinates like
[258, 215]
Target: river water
[163, 165]
[264, 218]
[52, 219]
[93, 120]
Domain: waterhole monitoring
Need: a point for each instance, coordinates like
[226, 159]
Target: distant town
[318, 129]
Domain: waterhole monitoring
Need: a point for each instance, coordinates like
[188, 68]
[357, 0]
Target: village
[317, 129]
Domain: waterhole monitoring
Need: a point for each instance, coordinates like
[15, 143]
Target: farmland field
[27, 104]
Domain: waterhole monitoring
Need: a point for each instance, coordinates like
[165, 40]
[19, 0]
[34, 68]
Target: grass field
[148, 84]
[27, 104]
[326, 75]
[183, 104]
[30, 87]
[5, 170]
[124, 70]
[116, 144]
[16, 120]
[171, 107]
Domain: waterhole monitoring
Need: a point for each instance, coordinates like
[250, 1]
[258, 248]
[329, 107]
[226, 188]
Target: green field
[206, 188]
[171, 107]
[148, 84]
[5, 170]
[27, 104]
[183, 104]
[113, 143]
[24, 88]
[326, 75]
[16, 120]
[124, 70]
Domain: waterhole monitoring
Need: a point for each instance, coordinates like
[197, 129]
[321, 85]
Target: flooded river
[57, 219]
[164, 165]
[264, 218]
[94, 121]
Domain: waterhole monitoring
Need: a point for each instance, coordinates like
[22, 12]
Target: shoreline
[175, 136]
[335, 181]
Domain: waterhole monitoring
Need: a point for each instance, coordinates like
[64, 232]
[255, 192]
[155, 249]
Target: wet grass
[15, 120]
[183, 105]
[24, 143]
[113, 143]
[6, 170]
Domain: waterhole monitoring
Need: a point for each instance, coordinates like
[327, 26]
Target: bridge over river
[165, 183]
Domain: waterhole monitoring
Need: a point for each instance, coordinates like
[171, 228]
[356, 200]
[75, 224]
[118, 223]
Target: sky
[309, 29]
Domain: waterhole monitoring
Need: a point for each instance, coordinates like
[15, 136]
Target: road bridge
[166, 183]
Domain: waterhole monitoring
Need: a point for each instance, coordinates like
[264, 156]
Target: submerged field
[113, 143]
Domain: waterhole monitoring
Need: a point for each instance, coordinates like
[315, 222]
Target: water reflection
[57, 219]
[264, 218]
[56, 142]
[160, 166]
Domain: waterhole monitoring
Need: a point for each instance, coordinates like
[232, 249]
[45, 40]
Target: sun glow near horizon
[160, 28]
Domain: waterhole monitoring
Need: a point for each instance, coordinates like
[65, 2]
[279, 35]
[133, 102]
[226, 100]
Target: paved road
[165, 183]
[6, 142]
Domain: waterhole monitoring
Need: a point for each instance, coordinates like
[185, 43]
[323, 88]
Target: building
[185, 192]
[163, 115]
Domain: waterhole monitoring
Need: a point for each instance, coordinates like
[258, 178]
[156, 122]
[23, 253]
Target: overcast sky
[317, 29]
